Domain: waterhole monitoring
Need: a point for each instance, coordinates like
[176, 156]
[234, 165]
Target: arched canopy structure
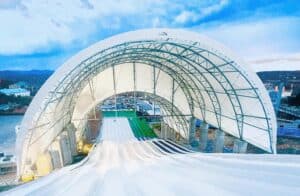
[196, 75]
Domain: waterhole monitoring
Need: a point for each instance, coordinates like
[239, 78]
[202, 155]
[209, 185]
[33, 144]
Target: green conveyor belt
[139, 126]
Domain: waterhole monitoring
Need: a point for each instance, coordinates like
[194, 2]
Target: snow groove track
[122, 165]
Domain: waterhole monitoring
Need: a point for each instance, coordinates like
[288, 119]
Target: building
[20, 84]
[18, 92]
[289, 128]
[287, 92]
[7, 164]
[143, 106]
[4, 107]
[276, 96]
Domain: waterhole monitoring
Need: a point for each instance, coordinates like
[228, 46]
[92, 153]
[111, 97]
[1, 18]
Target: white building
[15, 91]
[7, 164]
[20, 84]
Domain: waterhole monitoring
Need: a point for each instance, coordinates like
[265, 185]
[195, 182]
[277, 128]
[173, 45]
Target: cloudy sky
[42, 34]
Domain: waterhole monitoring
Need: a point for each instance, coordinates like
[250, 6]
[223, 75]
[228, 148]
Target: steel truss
[190, 66]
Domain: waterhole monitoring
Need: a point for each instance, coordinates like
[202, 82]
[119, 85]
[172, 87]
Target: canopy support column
[192, 130]
[203, 136]
[134, 86]
[239, 146]
[115, 90]
[219, 141]
[163, 130]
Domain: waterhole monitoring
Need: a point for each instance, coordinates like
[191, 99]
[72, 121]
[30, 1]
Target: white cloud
[200, 11]
[156, 22]
[214, 8]
[30, 26]
[185, 16]
[259, 39]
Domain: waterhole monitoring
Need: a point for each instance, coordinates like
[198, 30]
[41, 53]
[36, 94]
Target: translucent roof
[181, 69]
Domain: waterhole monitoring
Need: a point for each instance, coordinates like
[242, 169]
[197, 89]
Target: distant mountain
[38, 77]
[34, 77]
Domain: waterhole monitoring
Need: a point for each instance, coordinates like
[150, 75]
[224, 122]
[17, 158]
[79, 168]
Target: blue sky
[42, 34]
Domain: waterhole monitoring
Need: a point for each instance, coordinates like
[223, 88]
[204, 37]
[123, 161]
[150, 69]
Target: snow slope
[122, 165]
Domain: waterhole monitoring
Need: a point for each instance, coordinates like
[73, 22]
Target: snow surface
[122, 165]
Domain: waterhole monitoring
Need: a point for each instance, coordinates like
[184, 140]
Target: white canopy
[192, 73]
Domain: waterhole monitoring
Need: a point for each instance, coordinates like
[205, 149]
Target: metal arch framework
[172, 113]
[169, 112]
[218, 87]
